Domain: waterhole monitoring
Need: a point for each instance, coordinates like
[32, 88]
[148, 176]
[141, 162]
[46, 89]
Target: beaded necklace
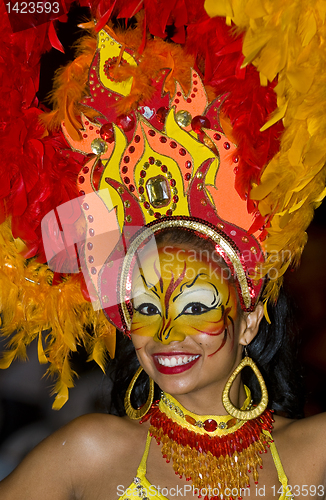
[215, 453]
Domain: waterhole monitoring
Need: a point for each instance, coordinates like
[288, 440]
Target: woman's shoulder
[301, 447]
[76, 457]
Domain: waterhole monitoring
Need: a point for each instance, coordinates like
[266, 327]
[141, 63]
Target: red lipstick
[173, 370]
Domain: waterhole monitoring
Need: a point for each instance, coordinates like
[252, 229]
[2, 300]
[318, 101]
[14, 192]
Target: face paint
[176, 296]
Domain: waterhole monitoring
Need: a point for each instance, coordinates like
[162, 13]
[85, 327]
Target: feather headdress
[238, 100]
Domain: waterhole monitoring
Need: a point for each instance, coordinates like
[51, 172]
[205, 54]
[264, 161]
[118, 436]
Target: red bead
[85, 206]
[172, 182]
[164, 168]
[85, 170]
[137, 138]
[210, 425]
[200, 122]
[91, 259]
[175, 198]
[177, 101]
[169, 212]
[81, 179]
[146, 205]
[93, 270]
[141, 190]
[90, 218]
[188, 164]
[132, 149]
[126, 180]
[163, 139]
[182, 152]
[90, 246]
[81, 192]
[142, 173]
[126, 122]
[151, 160]
[124, 169]
[107, 132]
[152, 133]
[161, 114]
[188, 176]
[173, 144]
[226, 145]
[217, 137]
[126, 159]
[131, 188]
[179, 94]
[157, 215]
[189, 100]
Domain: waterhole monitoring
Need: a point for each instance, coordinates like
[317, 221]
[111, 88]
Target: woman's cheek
[144, 325]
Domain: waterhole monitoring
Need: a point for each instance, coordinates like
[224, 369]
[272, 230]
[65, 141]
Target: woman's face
[186, 319]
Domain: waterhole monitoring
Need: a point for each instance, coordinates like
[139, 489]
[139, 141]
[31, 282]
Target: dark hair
[273, 350]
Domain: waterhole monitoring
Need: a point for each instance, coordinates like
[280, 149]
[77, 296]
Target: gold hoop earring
[245, 414]
[140, 412]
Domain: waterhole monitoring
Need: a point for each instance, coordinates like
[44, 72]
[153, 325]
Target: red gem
[146, 205]
[91, 232]
[142, 173]
[151, 160]
[157, 215]
[164, 168]
[131, 188]
[90, 218]
[226, 145]
[173, 144]
[107, 132]
[188, 164]
[179, 94]
[195, 89]
[189, 100]
[161, 114]
[91, 128]
[131, 149]
[85, 136]
[85, 170]
[126, 180]
[124, 169]
[200, 122]
[169, 212]
[188, 176]
[91, 259]
[182, 152]
[217, 137]
[141, 189]
[93, 270]
[85, 206]
[89, 246]
[172, 182]
[193, 95]
[210, 425]
[137, 138]
[126, 159]
[176, 101]
[235, 159]
[163, 139]
[126, 122]
[82, 192]
[175, 199]
[152, 133]
[81, 179]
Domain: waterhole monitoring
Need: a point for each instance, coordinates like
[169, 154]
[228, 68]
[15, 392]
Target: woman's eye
[195, 308]
[147, 309]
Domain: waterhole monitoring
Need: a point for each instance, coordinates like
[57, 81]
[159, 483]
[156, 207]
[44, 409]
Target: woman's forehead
[157, 266]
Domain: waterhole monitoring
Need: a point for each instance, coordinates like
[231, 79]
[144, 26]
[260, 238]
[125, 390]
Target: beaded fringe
[219, 463]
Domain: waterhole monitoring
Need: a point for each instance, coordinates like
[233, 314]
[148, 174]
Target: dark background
[26, 416]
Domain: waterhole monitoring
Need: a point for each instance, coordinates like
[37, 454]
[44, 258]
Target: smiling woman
[188, 143]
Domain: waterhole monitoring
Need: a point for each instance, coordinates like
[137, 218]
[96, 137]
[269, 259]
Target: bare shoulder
[301, 445]
[81, 451]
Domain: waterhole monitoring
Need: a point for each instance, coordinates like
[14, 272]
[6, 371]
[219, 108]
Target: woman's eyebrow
[188, 284]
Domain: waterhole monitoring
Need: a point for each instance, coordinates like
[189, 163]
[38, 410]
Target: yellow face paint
[180, 293]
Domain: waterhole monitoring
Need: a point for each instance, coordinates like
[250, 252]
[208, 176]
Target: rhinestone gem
[210, 425]
[99, 146]
[158, 191]
[183, 118]
[200, 122]
[107, 132]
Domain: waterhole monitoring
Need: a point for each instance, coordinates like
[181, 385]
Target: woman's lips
[173, 363]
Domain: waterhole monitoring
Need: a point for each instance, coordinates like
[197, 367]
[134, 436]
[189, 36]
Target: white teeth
[176, 361]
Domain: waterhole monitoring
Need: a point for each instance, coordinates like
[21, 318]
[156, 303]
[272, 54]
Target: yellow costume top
[142, 488]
